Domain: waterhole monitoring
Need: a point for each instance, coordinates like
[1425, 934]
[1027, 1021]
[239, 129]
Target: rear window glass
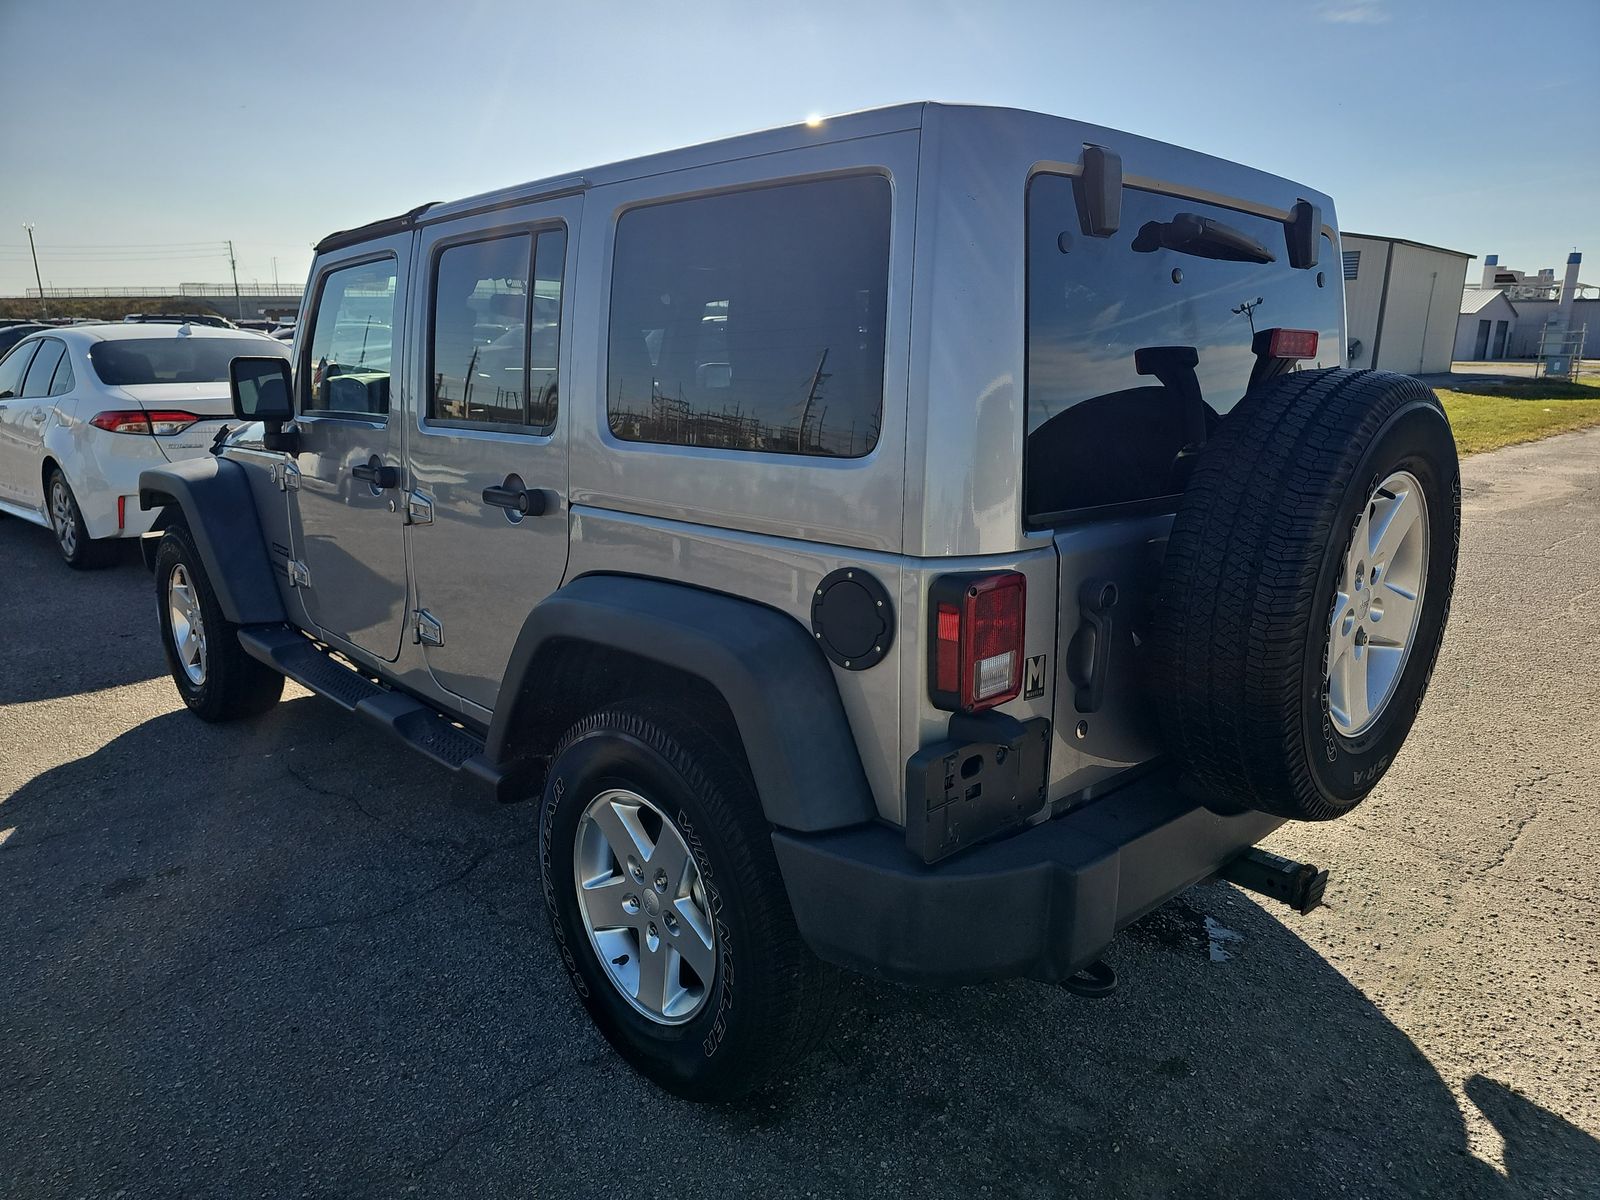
[133, 361]
[753, 320]
[1099, 432]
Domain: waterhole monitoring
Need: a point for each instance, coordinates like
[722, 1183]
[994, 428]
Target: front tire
[668, 908]
[216, 678]
[80, 551]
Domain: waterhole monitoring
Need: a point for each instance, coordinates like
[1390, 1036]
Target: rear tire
[698, 804]
[80, 551]
[1291, 660]
[216, 678]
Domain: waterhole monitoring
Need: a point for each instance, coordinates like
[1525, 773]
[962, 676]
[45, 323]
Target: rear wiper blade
[1190, 233]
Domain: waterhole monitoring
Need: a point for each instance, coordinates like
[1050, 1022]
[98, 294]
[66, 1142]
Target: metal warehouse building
[1401, 302]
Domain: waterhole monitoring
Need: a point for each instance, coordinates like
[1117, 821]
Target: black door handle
[378, 477]
[517, 499]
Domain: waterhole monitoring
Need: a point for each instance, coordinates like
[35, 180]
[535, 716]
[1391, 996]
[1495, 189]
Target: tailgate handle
[1089, 655]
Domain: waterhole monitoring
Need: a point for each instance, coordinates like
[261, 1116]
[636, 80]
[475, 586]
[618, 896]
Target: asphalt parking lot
[287, 958]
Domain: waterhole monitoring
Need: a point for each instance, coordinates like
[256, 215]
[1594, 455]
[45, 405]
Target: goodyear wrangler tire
[1305, 591]
[668, 910]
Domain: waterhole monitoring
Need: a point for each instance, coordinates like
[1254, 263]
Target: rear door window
[1100, 432]
[496, 332]
[753, 320]
[37, 381]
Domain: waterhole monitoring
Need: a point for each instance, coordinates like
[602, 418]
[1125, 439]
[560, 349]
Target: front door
[488, 453]
[349, 524]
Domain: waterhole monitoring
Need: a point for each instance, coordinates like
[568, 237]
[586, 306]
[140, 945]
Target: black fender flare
[214, 496]
[766, 666]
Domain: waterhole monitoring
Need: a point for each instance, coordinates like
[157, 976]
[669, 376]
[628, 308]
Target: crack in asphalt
[497, 1111]
[409, 901]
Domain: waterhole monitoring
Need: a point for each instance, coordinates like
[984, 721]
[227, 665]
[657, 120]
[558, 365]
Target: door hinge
[429, 632]
[299, 574]
[419, 509]
[286, 475]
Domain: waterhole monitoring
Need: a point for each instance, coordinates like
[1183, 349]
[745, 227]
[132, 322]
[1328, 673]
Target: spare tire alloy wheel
[1380, 598]
[644, 906]
[1305, 590]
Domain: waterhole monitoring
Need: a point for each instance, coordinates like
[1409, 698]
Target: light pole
[44, 309]
[233, 266]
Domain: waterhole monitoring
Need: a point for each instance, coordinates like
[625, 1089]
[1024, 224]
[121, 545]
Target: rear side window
[753, 320]
[352, 342]
[1100, 432]
[13, 367]
[131, 362]
[496, 332]
[63, 380]
[37, 381]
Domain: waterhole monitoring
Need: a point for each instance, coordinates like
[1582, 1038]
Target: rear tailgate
[1139, 345]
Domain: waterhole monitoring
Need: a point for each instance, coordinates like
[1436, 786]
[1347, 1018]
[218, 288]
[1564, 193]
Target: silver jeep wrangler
[921, 541]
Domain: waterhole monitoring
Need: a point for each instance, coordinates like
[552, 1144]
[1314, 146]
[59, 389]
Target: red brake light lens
[169, 421]
[1292, 343]
[127, 421]
[162, 422]
[977, 640]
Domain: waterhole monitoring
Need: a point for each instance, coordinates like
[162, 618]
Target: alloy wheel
[645, 906]
[188, 627]
[1378, 602]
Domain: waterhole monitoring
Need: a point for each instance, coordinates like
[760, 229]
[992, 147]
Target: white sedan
[85, 408]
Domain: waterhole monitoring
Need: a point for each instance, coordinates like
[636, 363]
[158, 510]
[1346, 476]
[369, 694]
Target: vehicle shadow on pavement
[279, 957]
[69, 632]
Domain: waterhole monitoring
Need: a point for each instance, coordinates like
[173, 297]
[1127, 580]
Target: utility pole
[274, 272]
[44, 309]
[234, 267]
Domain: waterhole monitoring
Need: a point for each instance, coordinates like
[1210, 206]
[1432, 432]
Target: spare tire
[1305, 590]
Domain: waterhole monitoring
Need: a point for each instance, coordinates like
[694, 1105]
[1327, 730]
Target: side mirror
[260, 389]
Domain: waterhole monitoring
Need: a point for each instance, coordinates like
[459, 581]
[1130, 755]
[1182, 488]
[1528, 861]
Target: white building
[1534, 306]
[1483, 330]
[1401, 302]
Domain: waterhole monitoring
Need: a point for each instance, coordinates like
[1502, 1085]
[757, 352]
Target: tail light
[160, 422]
[1291, 343]
[976, 651]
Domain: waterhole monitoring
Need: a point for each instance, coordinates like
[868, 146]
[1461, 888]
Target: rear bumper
[1042, 903]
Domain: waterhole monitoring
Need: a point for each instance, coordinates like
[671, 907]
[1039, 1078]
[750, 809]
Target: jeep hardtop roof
[1149, 162]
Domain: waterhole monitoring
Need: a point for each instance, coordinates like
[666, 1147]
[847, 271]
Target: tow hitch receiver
[1297, 884]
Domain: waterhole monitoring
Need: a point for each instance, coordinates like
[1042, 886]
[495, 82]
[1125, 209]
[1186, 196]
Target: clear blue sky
[1464, 123]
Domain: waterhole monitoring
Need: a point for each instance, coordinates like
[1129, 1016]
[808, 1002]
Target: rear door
[489, 438]
[349, 525]
[13, 367]
[23, 418]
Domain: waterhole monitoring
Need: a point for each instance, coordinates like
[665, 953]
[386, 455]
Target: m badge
[1033, 678]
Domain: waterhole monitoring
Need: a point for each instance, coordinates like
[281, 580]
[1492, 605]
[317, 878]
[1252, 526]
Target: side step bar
[1297, 884]
[292, 654]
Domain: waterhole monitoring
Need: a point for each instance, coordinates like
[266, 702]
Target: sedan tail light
[976, 650]
[160, 422]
